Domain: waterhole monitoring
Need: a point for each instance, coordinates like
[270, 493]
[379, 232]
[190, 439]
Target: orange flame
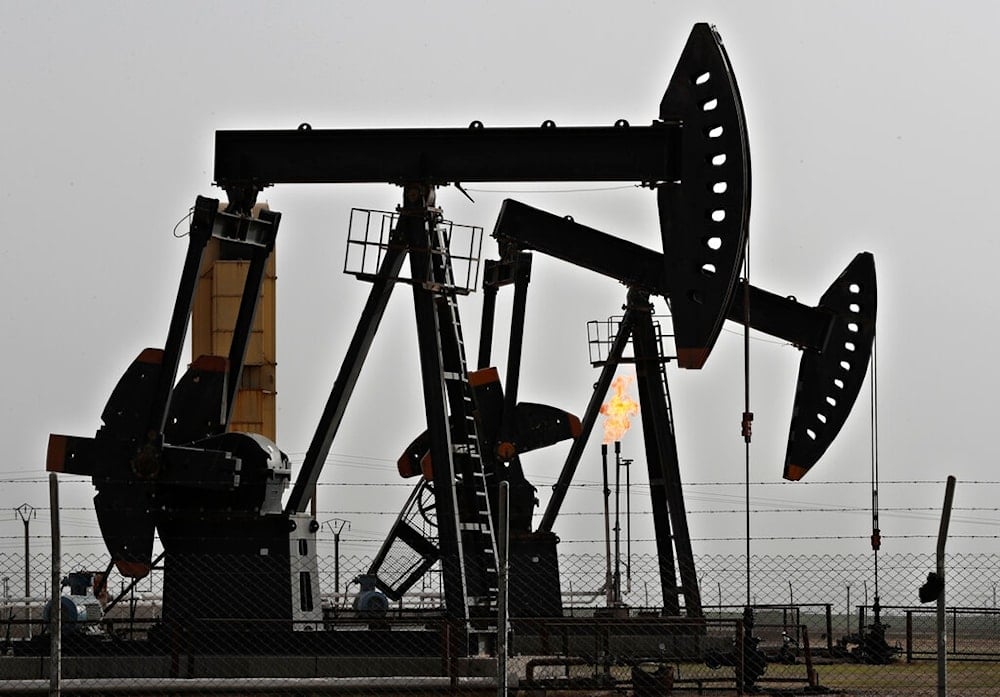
[618, 409]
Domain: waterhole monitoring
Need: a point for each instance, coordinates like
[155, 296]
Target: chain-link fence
[817, 622]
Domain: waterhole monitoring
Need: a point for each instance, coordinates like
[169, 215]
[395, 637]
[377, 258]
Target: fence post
[954, 630]
[502, 634]
[829, 629]
[909, 636]
[55, 615]
[740, 654]
[811, 676]
[942, 677]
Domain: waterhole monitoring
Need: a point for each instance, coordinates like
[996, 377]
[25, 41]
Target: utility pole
[336, 525]
[26, 512]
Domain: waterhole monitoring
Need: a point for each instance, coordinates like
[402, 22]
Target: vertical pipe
[502, 567]
[618, 536]
[628, 525]
[55, 658]
[942, 671]
[607, 527]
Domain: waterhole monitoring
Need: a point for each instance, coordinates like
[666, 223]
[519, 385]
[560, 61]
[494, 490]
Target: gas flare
[618, 409]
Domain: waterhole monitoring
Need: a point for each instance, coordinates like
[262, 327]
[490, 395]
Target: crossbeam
[695, 155]
[642, 154]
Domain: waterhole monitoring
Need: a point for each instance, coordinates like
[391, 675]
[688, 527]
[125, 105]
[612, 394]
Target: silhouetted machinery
[163, 462]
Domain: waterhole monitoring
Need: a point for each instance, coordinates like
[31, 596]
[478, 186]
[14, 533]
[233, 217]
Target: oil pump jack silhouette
[164, 462]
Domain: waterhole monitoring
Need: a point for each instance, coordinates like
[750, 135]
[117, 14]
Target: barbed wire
[763, 538]
[589, 484]
[935, 510]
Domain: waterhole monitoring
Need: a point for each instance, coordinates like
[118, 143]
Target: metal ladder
[666, 393]
[458, 534]
[471, 482]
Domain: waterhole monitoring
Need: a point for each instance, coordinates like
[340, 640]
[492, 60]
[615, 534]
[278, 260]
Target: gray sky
[872, 127]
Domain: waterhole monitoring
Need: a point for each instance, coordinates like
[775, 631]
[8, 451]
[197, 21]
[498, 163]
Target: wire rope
[747, 414]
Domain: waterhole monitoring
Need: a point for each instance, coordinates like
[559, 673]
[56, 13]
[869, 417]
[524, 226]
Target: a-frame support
[673, 541]
[456, 478]
[678, 576]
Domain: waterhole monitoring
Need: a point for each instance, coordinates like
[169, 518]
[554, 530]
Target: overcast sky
[872, 127]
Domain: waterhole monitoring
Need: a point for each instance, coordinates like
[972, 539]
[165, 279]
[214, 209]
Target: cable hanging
[747, 414]
[876, 532]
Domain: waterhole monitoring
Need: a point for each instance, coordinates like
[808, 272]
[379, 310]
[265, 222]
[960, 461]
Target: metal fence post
[55, 616]
[909, 636]
[829, 629]
[954, 630]
[502, 569]
[740, 655]
[942, 680]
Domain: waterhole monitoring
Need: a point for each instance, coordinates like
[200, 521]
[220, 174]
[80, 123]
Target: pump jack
[835, 337]
[164, 462]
